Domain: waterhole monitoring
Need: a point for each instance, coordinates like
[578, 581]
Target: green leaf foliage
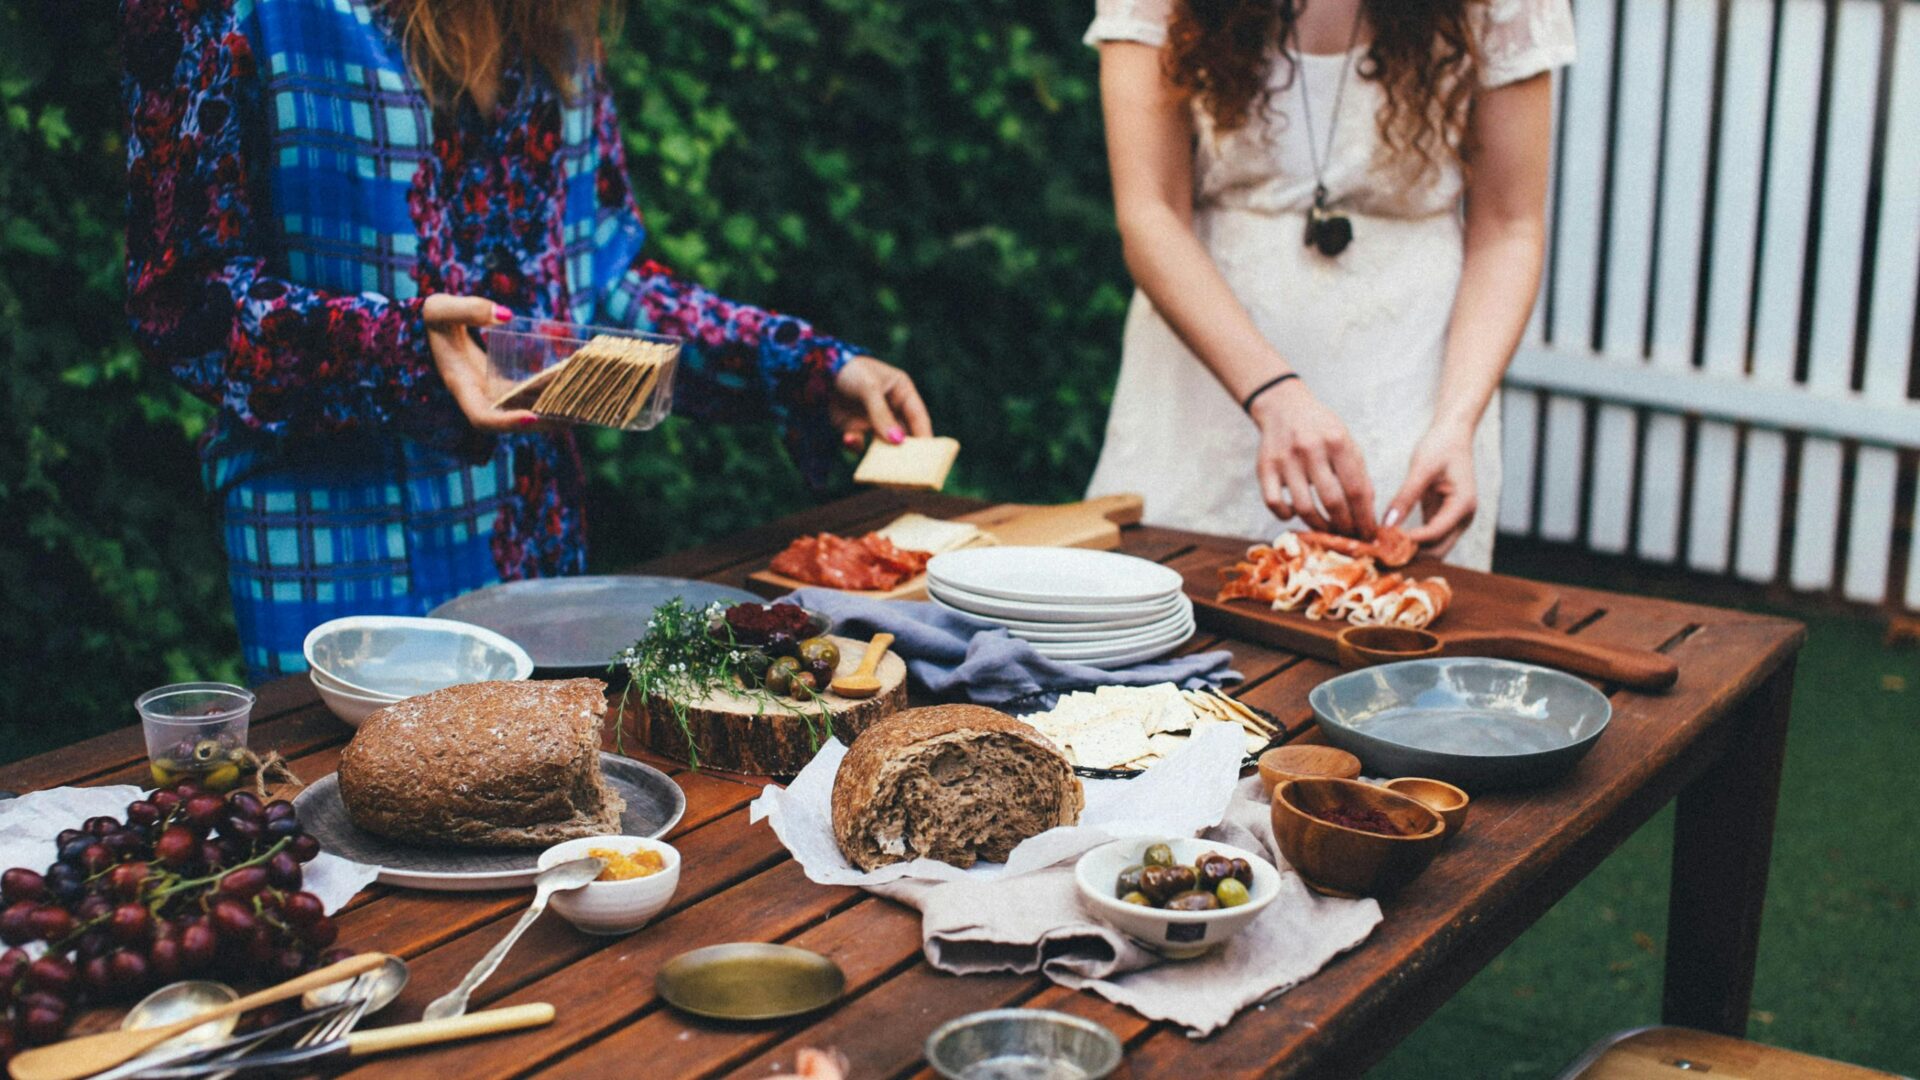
[926, 180]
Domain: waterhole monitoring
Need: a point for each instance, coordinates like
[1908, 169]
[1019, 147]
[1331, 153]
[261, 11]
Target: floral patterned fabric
[292, 198]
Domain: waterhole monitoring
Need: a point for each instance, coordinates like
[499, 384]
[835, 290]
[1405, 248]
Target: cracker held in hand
[913, 463]
[608, 381]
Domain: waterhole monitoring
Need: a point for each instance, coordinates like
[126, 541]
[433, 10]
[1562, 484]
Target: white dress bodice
[1366, 330]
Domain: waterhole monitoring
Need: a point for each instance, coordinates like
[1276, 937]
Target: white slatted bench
[1721, 368]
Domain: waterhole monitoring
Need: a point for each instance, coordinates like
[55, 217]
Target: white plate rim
[993, 610]
[1128, 659]
[1074, 635]
[1177, 636]
[1155, 580]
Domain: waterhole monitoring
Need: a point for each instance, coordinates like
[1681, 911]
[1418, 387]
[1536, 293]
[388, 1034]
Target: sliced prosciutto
[1337, 577]
[870, 563]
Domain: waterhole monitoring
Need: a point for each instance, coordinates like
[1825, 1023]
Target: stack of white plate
[1098, 608]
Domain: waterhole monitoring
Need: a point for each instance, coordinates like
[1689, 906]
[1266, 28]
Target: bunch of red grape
[191, 883]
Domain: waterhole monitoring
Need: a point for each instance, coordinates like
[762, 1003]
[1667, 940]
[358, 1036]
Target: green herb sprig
[681, 660]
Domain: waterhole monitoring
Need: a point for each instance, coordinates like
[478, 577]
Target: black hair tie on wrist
[1246, 403]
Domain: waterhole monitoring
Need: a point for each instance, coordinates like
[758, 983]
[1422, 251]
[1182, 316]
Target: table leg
[1722, 843]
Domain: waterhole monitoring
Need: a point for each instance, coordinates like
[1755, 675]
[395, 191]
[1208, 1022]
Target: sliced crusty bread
[951, 782]
[492, 764]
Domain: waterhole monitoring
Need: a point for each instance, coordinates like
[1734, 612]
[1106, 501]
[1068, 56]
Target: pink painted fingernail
[502, 313]
[895, 435]
[529, 421]
[851, 438]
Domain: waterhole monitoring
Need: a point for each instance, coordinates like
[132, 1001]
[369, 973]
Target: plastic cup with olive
[198, 732]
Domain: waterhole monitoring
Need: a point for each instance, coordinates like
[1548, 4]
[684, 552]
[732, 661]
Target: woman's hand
[872, 396]
[463, 363]
[1309, 466]
[1440, 481]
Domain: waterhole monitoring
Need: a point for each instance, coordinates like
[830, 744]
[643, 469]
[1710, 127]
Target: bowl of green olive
[1178, 897]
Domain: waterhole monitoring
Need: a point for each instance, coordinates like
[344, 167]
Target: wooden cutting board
[1494, 616]
[1095, 523]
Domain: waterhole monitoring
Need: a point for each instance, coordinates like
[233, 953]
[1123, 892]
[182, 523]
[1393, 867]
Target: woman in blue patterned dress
[326, 197]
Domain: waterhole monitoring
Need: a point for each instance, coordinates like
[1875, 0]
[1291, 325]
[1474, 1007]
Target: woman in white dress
[1331, 361]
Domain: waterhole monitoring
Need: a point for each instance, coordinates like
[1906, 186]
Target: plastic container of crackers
[579, 374]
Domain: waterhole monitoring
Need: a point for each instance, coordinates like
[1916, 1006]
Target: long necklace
[1327, 230]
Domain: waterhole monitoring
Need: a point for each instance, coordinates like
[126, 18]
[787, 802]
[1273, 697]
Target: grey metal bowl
[398, 656]
[1022, 1044]
[1473, 722]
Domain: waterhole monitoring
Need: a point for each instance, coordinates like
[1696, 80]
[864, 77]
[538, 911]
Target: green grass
[1840, 943]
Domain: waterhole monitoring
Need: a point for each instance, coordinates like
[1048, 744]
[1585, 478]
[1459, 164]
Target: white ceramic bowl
[400, 656]
[1175, 934]
[350, 707]
[614, 907]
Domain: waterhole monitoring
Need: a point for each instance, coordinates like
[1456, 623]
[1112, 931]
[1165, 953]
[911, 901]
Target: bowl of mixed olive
[1179, 897]
[781, 648]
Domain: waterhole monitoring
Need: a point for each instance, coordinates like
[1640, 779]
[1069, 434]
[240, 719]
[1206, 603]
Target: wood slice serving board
[1494, 616]
[1094, 523]
[770, 736]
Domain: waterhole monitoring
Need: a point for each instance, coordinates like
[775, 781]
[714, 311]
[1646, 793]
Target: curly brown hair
[456, 47]
[1423, 54]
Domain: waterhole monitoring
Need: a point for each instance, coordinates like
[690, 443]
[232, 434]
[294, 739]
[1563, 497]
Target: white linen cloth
[1027, 916]
[29, 823]
[1366, 329]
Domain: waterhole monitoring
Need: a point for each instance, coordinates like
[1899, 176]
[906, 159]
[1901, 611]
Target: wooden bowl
[1365, 646]
[1445, 799]
[1301, 762]
[1339, 861]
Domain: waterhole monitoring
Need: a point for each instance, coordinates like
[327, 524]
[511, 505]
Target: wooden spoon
[862, 683]
[90, 1054]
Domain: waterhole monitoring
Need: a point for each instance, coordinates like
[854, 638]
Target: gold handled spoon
[861, 682]
[76, 1058]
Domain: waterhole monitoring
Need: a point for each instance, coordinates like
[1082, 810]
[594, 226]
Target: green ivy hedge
[926, 179]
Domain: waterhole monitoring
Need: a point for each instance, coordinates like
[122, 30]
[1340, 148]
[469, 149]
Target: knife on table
[376, 1041]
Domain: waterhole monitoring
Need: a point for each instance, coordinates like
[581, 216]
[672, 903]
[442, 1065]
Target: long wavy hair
[457, 49]
[1423, 55]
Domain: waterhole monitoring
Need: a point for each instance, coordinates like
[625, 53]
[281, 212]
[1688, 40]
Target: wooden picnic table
[1714, 742]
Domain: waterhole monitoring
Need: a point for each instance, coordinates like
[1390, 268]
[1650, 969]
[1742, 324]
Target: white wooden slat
[1561, 465]
[1519, 454]
[1741, 145]
[1843, 230]
[1582, 178]
[1890, 314]
[1763, 477]
[1716, 452]
[1870, 524]
[1795, 107]
[1633, 165]
[1610, 478]
[1883, 421]
[1913, 555]
[1685, 140]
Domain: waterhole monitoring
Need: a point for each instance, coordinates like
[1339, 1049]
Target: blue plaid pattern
[397, 529]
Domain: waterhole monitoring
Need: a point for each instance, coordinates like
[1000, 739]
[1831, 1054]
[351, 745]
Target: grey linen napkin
[1035, 922]
[950, 655]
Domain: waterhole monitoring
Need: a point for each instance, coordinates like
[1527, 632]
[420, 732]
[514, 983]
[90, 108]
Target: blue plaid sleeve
[278, 357]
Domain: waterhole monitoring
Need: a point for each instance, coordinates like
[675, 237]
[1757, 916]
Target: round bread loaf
[491, 764]
[951, 782]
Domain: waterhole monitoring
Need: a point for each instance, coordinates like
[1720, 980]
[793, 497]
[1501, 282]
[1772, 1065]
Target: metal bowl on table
[1474, 722]
[1031, 1044]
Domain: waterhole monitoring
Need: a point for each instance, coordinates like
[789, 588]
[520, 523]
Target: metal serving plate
[1473, 722]
[575, 625]
[654, 805]
[750, 981]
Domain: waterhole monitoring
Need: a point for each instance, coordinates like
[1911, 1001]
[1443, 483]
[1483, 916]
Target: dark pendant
[1327, 231]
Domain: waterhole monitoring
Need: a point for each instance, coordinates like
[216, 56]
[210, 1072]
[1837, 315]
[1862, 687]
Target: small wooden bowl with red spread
[1349, 838]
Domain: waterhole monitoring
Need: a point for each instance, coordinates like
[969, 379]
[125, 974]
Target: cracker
[913, 463]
